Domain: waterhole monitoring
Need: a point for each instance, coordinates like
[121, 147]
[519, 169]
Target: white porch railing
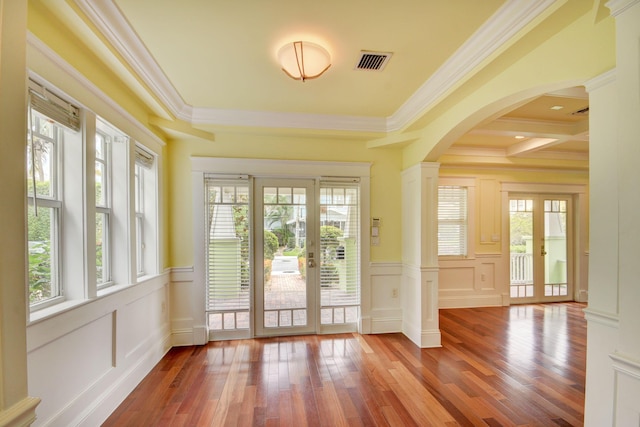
[521, 269]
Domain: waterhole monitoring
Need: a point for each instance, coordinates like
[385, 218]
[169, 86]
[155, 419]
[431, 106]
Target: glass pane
[102, 248]
[100, 151]
[521, 248]
[555, 245]
[100, 187]
[42, 246]
[270, 195]
[284, 195]
[41, 166]
[228, 194]
[285, 285]
[299, 317]
[299, 196]
[228, 268]
[339, 251]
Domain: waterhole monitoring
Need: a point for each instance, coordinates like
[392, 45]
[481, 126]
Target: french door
[541, 242]
[285, 257]
[282, 256]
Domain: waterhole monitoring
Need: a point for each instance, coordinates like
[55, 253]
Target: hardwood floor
[498, 366]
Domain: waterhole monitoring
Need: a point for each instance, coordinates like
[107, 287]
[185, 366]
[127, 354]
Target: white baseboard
[386, 325]
[470, 301]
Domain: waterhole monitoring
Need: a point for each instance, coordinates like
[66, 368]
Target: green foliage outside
[329, 236]
[39, 271]
[270, 244]
[39, 249]
[521, 226]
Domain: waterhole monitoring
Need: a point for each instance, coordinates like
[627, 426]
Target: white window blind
[227, 251]
[54, 107]
[340, 251]
[452, 220]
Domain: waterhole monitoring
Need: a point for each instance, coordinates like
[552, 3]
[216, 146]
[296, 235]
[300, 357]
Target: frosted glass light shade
[304, 60]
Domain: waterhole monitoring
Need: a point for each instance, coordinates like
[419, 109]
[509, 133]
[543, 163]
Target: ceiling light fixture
[557, 107]
[304, 60]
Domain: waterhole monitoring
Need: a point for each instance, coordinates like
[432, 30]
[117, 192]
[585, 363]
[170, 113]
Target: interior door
[540, 248]
[285, 257]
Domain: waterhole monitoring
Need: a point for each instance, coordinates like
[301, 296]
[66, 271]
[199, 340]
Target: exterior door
[285, 257]
[541, 244]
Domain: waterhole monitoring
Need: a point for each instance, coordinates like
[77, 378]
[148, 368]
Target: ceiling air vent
[582, 112]
[373, 61]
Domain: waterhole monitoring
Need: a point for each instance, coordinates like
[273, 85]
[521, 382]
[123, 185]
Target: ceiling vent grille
[372, 61]
[582, 112]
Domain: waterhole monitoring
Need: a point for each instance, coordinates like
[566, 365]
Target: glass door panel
[555, 248]
[285, 297]
[521, 248]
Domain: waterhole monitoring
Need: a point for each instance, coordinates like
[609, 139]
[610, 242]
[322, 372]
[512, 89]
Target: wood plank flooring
[498, 366]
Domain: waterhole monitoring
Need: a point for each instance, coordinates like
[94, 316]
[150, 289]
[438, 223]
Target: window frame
[74, 199]
[470, 186]
[53, 201]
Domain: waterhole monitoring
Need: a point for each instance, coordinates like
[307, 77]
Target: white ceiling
[211, 64]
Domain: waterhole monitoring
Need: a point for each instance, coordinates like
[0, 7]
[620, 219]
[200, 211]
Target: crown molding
[617, 7]
[493, 35]
[112, 24]
[511, 18]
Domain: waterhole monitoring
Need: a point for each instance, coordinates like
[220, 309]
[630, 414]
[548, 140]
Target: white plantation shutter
[227, 251]
[452, 220]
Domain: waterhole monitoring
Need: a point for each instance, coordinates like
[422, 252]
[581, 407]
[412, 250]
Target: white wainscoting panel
[84, 361]
[386, 284]
[182, 320]
[473, 282]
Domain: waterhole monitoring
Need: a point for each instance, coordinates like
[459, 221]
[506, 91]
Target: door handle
[542, 251]
[311, 263]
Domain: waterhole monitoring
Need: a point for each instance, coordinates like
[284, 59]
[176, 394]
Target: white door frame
[273, 169]
[580, 247]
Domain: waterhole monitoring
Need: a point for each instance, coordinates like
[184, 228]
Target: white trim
[601, 80]
[279, 168]
[610, 320]
[618, 7]
[521, 187]
[624, 364]
[108, 18]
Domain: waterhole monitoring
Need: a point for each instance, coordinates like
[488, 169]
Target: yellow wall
[556, 57]
[385, 181]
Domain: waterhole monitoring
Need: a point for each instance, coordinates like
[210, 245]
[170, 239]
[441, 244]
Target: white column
[16, 408]
[602, 313]
[420, 254]
[613, 341]
[626, 358]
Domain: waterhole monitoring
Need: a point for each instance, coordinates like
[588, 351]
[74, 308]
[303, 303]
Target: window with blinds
[227, 254]
[339, 252]
[452, 221]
